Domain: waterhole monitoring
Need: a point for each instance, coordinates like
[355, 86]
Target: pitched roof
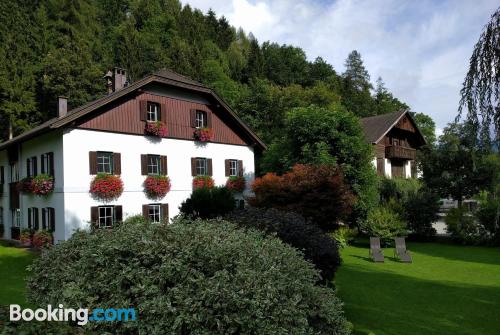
[164, 76]
[376, 127]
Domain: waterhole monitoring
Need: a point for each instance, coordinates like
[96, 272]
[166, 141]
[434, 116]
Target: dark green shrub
[464, 228]
[319, 248]
[488, 217]
[344, 236]
[397, 188]
[420, 211]
[202, 278]
[207, 203]
[384, 223]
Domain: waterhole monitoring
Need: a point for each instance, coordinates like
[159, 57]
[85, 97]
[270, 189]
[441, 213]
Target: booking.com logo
[81, 315]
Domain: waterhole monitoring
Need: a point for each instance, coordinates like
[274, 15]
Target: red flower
[106, 187]
[156, 187]
[157, 128]
[236, 183]
[203, 134]
[202, 181]
[42, 238]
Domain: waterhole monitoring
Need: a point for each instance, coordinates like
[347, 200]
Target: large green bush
[488, 216]
[384, 223]
[208, 203]
[203, 278]
[318, 247]
[399, 189]
[464, 228]
[420, 211]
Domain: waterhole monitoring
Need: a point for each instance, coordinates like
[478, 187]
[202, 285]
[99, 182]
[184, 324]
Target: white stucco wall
[78, 142]
[408, 169]
[388, 168]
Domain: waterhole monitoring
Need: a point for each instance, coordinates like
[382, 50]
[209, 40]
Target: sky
[421, 49]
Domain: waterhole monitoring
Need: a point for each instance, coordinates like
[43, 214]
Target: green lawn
[13, 263]
[448, 289]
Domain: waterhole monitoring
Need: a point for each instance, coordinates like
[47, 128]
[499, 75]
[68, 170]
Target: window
[201, 119]
[14, 172]
[201, 166]
[104, 162]
[153, 112]
[16, 218]
[154, 213]
[48, 219]
[33, 218]
[154, 165]
[47, 161]
[105, 217]
[31, 167]
[233, 167]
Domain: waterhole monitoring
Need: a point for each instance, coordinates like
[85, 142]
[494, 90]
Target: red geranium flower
[236, 183]
[157, 128]
[203, 134]
[106, 187]
[203, 181]
[156, 187]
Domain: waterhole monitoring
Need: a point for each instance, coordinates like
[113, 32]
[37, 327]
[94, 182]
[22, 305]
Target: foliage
[385, 102]
[156, 187]
[42, 238]
[203, 134]
[106, 187]
[384, 223]
[157, 128]
[236, 183]
[42, 184]
[202, 182]
[318, 248]
[317, 192]
[399, 189]
[420, 212]
[26, 236]
[206, 277]
[463, 227]
[315, 135]
[344, 236]
[480, 93]
[488, 216]
[209, 202]
[427, 127]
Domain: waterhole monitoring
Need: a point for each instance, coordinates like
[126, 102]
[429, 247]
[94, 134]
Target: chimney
[62, 106]
[109, 81]
[119, 79]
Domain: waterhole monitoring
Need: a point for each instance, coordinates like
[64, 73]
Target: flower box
[203, 134]
[236, 183]
[202, 182]
[106, 187]
[157, 128]
[42, 238]
[156, 187]
[39, 185]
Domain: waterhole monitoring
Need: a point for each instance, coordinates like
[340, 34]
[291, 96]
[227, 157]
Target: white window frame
[154, 211]
[233, 167]
[153, 112]
[14, 172]
[48, 218]
[104, 216]
[45, 162]
[104, 162]
[201, 119]
[201, 166]
[16, 218]
[154, 168]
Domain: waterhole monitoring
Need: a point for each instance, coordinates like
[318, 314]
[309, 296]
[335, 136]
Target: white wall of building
[78, 142]
[388, 168]
[408, 169]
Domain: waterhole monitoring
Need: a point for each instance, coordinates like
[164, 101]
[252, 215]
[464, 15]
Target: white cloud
[421, 49]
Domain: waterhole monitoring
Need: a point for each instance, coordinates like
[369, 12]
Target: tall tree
[480, 94]
[356, 87]
[385, 102]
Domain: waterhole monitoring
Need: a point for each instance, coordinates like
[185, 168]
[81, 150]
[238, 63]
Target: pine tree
[356, 72]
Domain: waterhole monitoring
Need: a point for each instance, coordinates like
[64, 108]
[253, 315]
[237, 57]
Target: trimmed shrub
[317, 192]
[184, 278]
[209, 203]
[488, 216]
[319, 248]
[420, 211]
[344, 236]
[384, 223]
[42, 238]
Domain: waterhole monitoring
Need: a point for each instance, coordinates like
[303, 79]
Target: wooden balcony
[392, 151]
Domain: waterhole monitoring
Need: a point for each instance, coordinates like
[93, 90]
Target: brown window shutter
[193, 117]
[163, 113]
[209, 119]
[145, 211]
[164, 213]
[144, 165]
[44, 218]
[51, 162]
[94, 215]
[227, 167]
[143, 110]
[240, 168]
[35, 214]
[52, 223]
[164, 166]
[193, 166]
[209, 163]
[92, 162]
[117, 163]
[118, 214]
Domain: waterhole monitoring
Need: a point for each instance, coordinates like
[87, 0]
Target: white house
[108, 136]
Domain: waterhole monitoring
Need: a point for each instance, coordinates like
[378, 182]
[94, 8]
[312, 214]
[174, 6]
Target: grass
[448, 289]
[13, 263]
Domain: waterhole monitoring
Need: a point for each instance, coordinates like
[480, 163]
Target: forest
[50, 48]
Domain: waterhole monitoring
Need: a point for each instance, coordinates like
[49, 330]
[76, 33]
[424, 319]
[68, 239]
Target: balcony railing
[400, 152]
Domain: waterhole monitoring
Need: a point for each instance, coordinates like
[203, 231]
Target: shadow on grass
[472, 254]
[387, 303]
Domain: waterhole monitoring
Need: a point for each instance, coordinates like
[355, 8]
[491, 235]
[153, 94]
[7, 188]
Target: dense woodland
[61, 47]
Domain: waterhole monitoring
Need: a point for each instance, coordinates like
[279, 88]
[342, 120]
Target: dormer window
[201, 119]
[153, 112]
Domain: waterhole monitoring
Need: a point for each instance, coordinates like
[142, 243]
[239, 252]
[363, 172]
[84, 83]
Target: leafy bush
[317, 192]
[488, 217]
[384, 223]
[420, 211]
[236, 183]
[25, 236]
[319, 248]
[464, 228]
[208, 203]
[344, 236]
[202, 278]
[42, 238]
[399, 189]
